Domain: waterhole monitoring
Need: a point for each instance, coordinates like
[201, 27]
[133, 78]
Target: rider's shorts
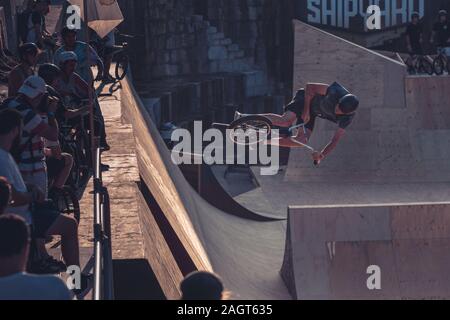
[297, 106]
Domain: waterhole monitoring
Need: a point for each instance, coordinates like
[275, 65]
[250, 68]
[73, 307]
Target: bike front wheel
[250, 130]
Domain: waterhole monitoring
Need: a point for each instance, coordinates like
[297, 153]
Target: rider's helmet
[443, 13]
[27, 48]
[49, 72]
[66, 30]
[349, 104]
[67, 56]
[415, 15]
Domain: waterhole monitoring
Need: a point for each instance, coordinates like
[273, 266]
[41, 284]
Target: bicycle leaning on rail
[441, 62]
[418, 64]
[119, 53]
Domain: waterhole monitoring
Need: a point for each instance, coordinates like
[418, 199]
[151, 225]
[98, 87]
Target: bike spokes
[250, 131]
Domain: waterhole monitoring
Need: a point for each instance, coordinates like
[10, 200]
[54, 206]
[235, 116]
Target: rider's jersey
[325, 106]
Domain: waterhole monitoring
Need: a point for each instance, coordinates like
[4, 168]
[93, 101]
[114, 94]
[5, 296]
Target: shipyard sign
[360, 15]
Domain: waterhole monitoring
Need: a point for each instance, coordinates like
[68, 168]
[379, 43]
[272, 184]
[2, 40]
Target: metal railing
[103, 288]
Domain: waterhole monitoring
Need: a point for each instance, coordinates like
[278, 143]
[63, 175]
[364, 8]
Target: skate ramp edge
[329, 250]
[157, 177]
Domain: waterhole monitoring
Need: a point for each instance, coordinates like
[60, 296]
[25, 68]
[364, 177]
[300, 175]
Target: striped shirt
[32, 157]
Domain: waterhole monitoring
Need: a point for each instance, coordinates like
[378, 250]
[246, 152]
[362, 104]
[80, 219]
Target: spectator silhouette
[202, 286]
[15, 283]
[5, 194]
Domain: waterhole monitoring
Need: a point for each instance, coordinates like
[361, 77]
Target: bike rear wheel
[250, 130]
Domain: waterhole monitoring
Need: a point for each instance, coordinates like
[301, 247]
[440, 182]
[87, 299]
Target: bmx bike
[255, 129]
[119, 52]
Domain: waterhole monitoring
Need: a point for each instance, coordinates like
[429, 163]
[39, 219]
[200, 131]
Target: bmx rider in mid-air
[330, 102]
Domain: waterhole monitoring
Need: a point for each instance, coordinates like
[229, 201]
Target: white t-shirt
[9, 170]
[23, 286]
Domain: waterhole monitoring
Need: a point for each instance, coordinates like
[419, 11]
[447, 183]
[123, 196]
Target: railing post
[103, 268]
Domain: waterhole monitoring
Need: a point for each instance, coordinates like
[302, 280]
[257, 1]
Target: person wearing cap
[414, 35]
[32, 157]
[441, 32]
[73, 88]
[28, 55]
[333, 103]
[87, 56]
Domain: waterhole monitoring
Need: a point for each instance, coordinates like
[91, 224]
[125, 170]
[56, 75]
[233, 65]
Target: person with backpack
[28, 54]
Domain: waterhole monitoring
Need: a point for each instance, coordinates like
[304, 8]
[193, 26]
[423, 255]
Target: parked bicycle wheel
[77, 174]
[122, 65]
[439, 65]
[66, 201]
[250, 130]
[425, 66]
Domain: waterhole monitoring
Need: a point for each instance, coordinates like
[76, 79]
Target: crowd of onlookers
[43, 96]
[440, 36]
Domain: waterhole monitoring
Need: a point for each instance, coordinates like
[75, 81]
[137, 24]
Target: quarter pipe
[327, 248]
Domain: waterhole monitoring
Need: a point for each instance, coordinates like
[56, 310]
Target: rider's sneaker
[237, 115]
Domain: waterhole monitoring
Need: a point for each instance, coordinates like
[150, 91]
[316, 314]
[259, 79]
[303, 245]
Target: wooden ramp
[329, 251]
[182, 232]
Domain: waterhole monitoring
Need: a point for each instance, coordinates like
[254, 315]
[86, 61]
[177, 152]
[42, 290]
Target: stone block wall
[187, 67]
[177, 42]
[261, 28]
